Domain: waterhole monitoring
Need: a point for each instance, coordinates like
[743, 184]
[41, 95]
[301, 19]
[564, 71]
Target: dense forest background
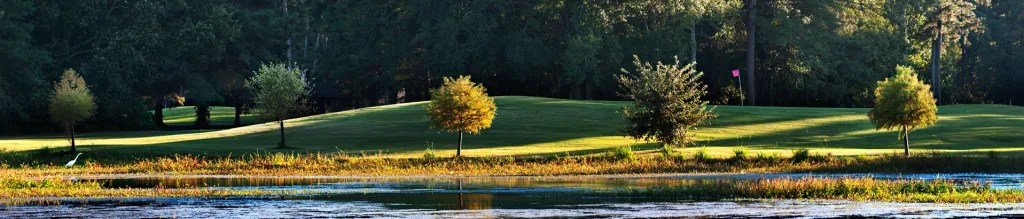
[140, 56]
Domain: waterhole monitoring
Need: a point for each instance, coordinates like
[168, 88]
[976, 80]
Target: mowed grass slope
[545, 126]
[219, 115]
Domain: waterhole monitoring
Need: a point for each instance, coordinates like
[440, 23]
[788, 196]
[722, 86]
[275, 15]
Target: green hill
[544, 126]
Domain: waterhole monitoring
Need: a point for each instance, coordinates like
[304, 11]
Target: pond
[476, 197]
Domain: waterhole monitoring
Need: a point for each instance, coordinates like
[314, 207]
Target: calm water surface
[417, 197]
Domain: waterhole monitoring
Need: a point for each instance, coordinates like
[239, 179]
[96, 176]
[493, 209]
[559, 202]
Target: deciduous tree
[903, 102]
[460, 105]
[277, 93]
[71, 103]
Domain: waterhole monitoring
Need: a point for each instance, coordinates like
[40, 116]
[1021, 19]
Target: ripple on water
[301, 208]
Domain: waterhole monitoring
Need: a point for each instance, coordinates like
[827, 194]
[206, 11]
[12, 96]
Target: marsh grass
[18, 190]
[857, 189]
[335, 164]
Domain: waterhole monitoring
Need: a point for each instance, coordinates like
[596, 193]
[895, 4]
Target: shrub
[429, 154]
[621, 153]
[765, 157]
[667, 151]
[668, 101]
[801, 155]
[701, 155]
[740, 154]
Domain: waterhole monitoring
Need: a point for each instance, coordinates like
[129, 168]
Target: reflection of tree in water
[474, 201]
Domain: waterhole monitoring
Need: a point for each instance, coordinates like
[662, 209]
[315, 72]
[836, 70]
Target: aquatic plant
[858, 189]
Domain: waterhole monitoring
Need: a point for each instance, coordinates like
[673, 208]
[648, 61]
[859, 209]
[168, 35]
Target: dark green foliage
[808, 53]
[202, 116]
[24, 87]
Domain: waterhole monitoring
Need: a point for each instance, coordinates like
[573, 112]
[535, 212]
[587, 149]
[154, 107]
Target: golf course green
[546, 126]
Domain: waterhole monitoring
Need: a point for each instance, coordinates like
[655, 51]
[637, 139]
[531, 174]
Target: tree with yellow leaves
[903, 102]
[460, 105]
[71, 103]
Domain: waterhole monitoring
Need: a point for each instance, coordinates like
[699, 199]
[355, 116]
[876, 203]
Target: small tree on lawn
[460, 105]
[666, 102]
[71, 103]
[277, 92]
[905, 103]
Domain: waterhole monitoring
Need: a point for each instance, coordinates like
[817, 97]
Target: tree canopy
[460, 105]
[826, 53]
[71, 102]
[278, 92]
[903, 102]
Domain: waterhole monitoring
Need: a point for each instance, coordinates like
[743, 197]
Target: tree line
[142, 56]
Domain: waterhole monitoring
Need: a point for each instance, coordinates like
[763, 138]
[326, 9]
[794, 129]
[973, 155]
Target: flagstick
[740, 80]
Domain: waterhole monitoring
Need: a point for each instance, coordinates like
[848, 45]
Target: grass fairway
[544, 126]
[219, 115]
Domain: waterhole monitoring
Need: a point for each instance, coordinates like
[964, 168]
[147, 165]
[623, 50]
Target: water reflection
[998, 181]
[475, 197]
[504, 206]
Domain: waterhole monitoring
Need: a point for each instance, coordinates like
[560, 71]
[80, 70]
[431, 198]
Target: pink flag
[735, 73]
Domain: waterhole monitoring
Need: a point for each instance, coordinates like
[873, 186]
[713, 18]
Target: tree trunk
[238, 115]
[284, 8]
[158, 113]
[693, 42]
[936, 56]
[202, 116]
[751, 33]
[458, 152]
[588, 90]
[906, 142]
[281, 144]
[73, 149]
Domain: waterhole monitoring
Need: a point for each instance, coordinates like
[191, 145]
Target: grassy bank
[856, 189]
[27, 191]
[526, 126]
[341, 164]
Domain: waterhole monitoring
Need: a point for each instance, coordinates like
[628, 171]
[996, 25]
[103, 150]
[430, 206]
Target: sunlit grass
[544, 126]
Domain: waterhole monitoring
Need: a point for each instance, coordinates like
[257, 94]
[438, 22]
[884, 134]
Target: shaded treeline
[141, 56]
